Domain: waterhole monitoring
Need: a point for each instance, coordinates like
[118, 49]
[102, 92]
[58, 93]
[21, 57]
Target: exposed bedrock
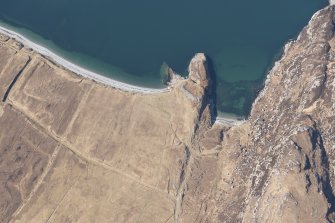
[73, 150]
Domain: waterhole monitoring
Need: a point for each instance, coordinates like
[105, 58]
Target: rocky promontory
[75, 150]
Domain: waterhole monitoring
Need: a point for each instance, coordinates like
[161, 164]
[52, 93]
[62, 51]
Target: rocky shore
[74, 150]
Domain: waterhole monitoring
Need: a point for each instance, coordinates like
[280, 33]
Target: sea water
[130, 40]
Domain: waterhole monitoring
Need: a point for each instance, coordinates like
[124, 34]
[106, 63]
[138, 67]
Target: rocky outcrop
[278, 167]
[66, 141]
[73, 150]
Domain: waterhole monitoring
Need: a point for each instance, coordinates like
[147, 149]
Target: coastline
[229, 119]
[78, 69]
[222, 118]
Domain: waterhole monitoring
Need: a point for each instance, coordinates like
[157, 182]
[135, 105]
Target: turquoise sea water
[130, 40]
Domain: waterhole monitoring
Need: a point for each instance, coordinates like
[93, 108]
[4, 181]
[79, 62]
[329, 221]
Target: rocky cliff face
[72, 150]
[279, 165]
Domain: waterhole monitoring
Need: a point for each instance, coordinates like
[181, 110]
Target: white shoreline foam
[228, 121]
[78, 69]
[95, 76]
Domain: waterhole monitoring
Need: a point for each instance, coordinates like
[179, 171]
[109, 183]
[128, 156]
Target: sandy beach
[78, 69]
[222, 119]
[229, 119]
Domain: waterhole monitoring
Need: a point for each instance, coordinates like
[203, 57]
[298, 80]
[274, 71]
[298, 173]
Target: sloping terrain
[73, 150]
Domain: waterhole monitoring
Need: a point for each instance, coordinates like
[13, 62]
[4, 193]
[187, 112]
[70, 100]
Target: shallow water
[130, 40]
